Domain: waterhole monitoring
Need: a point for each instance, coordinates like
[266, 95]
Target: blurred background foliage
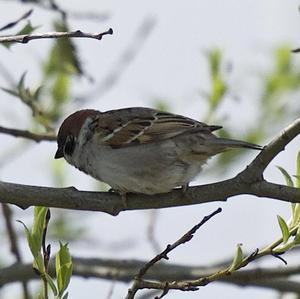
[278, 102]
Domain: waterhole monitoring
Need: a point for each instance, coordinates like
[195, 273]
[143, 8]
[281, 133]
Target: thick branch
[111, 203]
[28, 37]
[259, 164]
[27, 134]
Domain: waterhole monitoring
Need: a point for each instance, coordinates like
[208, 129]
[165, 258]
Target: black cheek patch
[69, 145]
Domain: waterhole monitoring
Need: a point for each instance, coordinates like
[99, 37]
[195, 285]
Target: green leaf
[63, 56]
[64, 268]
[295, 214]
[29, 239]
[27, 29]
[283, 79]
[283, 248]
[283, 60]
[287, 177]
[60, 89]
[37, 92]
[11, 91]
[296, 206]
[218, 85]
[21, 81]
[32, 242]
[238, 258]
[38, 227]
[63, 277]
[218, 91]
[58, 176]
[38, 263]
[51, 283]
[214, 59]
[298, 171]
[284, 229]
[161, 104]
[297, 236]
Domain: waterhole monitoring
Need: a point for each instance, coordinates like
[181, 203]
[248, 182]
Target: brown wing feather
[130, 126]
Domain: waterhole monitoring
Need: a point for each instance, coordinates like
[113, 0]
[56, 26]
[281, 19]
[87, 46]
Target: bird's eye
[69, 145]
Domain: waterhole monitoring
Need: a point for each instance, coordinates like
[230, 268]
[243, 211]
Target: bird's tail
[231, 143]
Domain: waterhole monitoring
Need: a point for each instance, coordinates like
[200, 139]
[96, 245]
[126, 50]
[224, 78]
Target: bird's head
[69, 131]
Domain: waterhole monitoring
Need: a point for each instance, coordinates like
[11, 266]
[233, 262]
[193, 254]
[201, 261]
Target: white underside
[148, 169]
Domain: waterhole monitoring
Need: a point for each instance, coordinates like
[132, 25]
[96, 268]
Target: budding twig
[23, 39]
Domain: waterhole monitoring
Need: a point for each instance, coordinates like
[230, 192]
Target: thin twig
[185, 238]
[7, 213]
[113, 76]
[74, 34]
[46, 253]
[111, 289]
[164, 254]
[125, 270]
[297, 50]
[192, 285]
[27, 134]
[153, 217]
[55, 7]
[14, 23]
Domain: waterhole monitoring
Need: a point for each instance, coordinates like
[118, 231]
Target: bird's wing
[131, 126]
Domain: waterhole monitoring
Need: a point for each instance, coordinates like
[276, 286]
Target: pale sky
[169, 65]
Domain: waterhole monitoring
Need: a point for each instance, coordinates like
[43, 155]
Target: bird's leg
[184, 187]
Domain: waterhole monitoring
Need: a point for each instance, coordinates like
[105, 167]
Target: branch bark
[249, 181]
[23, 39]
[27, 134]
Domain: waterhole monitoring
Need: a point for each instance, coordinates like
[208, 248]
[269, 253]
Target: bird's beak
[59, 153]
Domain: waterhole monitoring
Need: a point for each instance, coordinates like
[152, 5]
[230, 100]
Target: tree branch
[15, 22]
[14, 248]
[249, 181]
[273, 249]
[28, 37]
[124, 61]
[27, 134]
[125, 270]
[259, 164]
[164, 254]
[69, 198]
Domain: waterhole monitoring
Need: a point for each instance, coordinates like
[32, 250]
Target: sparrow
[140, 150]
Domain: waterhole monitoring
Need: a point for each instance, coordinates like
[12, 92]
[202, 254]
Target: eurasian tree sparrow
[140, 150]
